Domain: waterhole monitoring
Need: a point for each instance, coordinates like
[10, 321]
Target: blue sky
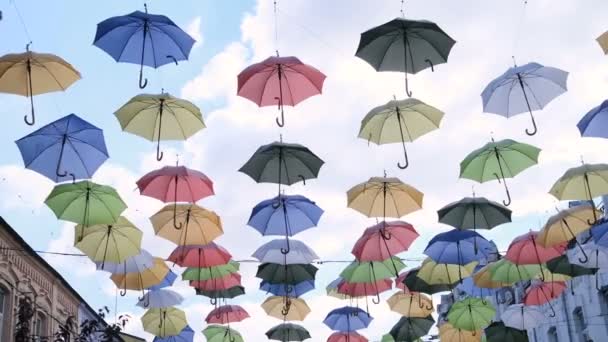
[324, 34]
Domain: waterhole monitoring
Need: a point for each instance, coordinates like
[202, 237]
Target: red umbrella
[346, 337]
[384, 240]
[364, 289]
[227, 314]
[209, 255]
[544, 292]
[524, 250]
[224, 283]
[279, 81]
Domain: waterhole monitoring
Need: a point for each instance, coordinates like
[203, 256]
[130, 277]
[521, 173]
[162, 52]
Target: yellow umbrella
[447, 333]
[32, 73]
[199, 225]
[384, 197]
[163, 322]
[603, 41]
[115, 242]
[143, 279]
[285, 308]
[483, 278]
[411, 304]
[438, 274]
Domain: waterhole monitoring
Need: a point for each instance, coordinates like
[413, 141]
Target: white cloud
[194, 30]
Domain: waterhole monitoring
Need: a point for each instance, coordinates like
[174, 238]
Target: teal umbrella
[411, 328]
[498, 332]
[288, 332]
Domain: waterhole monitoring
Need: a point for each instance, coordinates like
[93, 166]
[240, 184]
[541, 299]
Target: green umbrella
[471, 314]
[286, 274]
[229, 293]
[206, 273]
[498, 161]
[561, 265]
[288, 332]
[372, 272]
[507, 272]
[399, 121]
[86, 203]
[219, 333]
[411, 328]
[160, 117]
[498, 332]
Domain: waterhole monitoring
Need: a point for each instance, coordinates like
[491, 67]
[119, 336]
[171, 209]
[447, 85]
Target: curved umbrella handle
[376, 300]
[173, 58]
[159, 153]
[508, 201]
[33, 121]
[31, 92]
[281, 123]
[431, 64]
[146, 301]
[420, 304]
[213, 301]
[429, 307]
[123, 292]
[303, 179]
[407, 163]
[385, 235]
[232, 338]
[585, 256]
[175, 225]
[285, 251]
[407, 87]
[552, 314]
[535, 129]
[143, 82]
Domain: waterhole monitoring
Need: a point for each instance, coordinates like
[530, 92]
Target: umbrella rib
[41, 153]
[287, 67]
[152, 47]
[79, 157]
[160, 26]
[532, 92]
[139, 112]
[181, 128]
[271, 71]
[52, 75]
[398, 34]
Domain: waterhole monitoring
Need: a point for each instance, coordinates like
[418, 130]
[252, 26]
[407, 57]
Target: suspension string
[402, 9]
[27, 33]
[519, 29]
[276, 27]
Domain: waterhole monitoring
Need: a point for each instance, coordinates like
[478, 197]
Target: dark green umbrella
[282, 163]
[286, 274]
[411, 328]
[561, 265]
[231, 292]
[405, 45]
[498, 332]
[415, 284]
[288, 332]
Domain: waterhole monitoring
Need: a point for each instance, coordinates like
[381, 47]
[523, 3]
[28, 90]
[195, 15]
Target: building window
[3, 311]
[40, 326]
[579, 323]
[552, 335]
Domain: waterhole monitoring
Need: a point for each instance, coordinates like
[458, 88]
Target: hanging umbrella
[227, 314]
[285, 308]
[364, 289]
[201, 226]
[114, 242]
[142, 279]
[524, 250]
[469, 286]
[166, 282]
[186, 335]
[411, 328]
[474, 213]
[522, 317]
[32, 73]
[144, 39]
[347, 319]
[346, 337]
[332, 289]
[592, 123]
[498, 161]
[160, 117]
[288, 332]
[524, 89]
[384, 240]
[220, 283]
[413, 117]
[459, 247]
[229, 293]
[295, 291]
[483, 277]
[471, 314]
[158, 299]
[384, 197]
[505, 271]
[411, 304]
[405, 45]
[372, 272]
[282, 163]
[412, 282]
[561, 265]
[206, 273]
[448, 333]
[208, 255]
[218, 333]
[499, 332]
[286, 274]
[135, 263]
[285, 215]
[299, 252]
[86, 203]
[543, 293]
[68, 148]
[282, 81]
[444, 274]
[164, 322]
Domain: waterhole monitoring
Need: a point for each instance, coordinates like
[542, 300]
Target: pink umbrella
[364, 289]
[399, 282]
[209, 255]
[224, 283]
[279, 80]
[346, 337]
[524, 250]
[384, 240]
[227, 314]
[544, 292]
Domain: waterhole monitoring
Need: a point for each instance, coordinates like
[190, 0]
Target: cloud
[194, 30]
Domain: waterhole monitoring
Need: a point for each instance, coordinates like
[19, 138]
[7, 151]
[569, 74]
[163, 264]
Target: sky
[234, 34]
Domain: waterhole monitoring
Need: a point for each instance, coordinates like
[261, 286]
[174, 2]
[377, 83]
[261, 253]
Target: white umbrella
[137, 263]
[299, 252]
[522, 317]
[160, 299]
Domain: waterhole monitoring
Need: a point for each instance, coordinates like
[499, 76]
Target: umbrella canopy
[471, 314]
[282, 81]
[448, 333]
[285, 308]
[68, 148]
[200, 255]
[286, 274]
[444, 274]
[459, 247]
[228, 293]
[371, 271]
[186, 335]
[218, 333]
[524, 250]
[410, 304]
[142, 279]
[505, 271]
[175, 184]
[197, 225]
[499, 332]
[109, 242]
[498, 161]
[332, 289]
[522, 317]
[135, 263]
[400, 121]
[543, 293]
[144, 39]
[299, 252]
[474, 213]
[364, 289]
[384, 240]
[160, 117]
[561, 265]
[86, 203]
[160, 299]
[288, 332]
[384, 197]
[206, 273]
[591, 124]
[482, 277]
[566, 225]
[347, 319]
[227, 314]
[346, 337]
[166, 282]
[412, 282]
[524, 89]
[469, 286]
[296, 290]
[164, 322]
[411, 328]
[602, 40]
[32, 73]
[214, 284]
[405, 45]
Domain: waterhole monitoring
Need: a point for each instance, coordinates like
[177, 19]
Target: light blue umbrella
[459, 247]
[347, 319]
[300, 253]
[469, 287]
[136, 263]
[160, 299]
[186, 335]
[523, 89]
[594, 123]
[296, 290]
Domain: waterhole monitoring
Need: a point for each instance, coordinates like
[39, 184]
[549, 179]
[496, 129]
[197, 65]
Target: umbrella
[499, 332]
[142, 279]
[499, 160]
[405, 45]
[227, 314]
[32, 73]
[282, 163]
[347, 319]
[364, 289]
[482, 277]
[591, 124]
[522, 317]
[299, 252]
[286, 216]
[186, 335]
[66, 148]
[135, 263]
[166, 282]
[206, 273]
[543, 293]
[524, 89]
[346, 337]
[218, 333]
[561, 265]
[286, 274]
[296, 290]
[471, 314]
[582, 183]
[285, 308]
[288, 332]
[201, 226]
[282, 81]
[469, 286]
[597, 258]
[411, 328]
[200, 255]
[372, 272]
[384, 197]
[444, 274]
[474, 213]
[160, 117]
[602, 40]
[160, 41]
[332, 289]
[229, 293]
[410, 304]
[114, 242]
[384, 240]
[505, 271]
[459, 247]
[221, 283]
[158, 299]
[86, 203]
[413, 117]
[448, 333]
[164, 322]
[524, 250]
[412, 282]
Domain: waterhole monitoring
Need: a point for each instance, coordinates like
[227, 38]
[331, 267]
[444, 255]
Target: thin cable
[276, 27]
[27, 33]
[402, 9]
[518, 31]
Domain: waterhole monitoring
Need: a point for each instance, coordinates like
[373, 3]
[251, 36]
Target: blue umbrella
[347, 319]
[599, 233]
[524, 89]
[285, 215]
[458, 247]
[300, 253]
[468, 286]
[166, 282]
[186, 335]
[144, 39]
[594, 123]
[296, 290]
[69, 148]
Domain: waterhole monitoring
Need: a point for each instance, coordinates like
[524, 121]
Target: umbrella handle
[407, 163]
[280, 123]
[26, 119]
[431, 64]
[303, 179]
[585, 256]
[552, 314]
[31, 92]
[213, 301]
[535, 129]
[407, 87]
[508, 201]
[173, 58]
[285, 251]
[402, 167]
[376, 300]
[175, 225]
[385, 235]
[123, 292]
[146, 301]
[143, 82]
